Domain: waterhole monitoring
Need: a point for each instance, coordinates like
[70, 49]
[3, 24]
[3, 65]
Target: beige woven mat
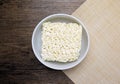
[102, 64]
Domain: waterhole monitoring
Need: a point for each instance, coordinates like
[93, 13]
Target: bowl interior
[37, 42]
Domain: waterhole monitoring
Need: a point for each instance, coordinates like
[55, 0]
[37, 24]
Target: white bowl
[36, 41]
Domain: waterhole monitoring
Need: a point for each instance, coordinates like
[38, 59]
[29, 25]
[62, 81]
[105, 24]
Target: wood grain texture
[102, 64]
[18, 18]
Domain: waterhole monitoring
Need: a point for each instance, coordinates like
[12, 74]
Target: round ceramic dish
[37, 42]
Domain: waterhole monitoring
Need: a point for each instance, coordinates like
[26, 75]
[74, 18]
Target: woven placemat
[102, 64]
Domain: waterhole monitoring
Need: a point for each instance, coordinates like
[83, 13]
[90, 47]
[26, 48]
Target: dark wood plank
[18, 18]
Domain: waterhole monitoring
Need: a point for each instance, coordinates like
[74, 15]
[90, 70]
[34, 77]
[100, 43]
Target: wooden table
[18, 18]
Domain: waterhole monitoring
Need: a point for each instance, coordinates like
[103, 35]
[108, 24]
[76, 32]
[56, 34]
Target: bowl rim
[70, 16]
